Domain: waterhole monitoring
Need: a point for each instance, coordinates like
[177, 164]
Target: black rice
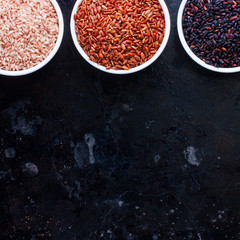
[212, 31]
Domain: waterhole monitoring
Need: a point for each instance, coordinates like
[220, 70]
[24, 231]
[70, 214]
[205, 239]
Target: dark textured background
[167, 150]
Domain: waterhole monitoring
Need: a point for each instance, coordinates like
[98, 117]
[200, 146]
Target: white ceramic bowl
[190, 52]
[50, 56]
[131, 70]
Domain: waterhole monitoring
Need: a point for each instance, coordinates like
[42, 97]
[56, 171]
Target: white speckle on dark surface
[155, 237]
[78, 155]
[157, 159]
[221, 214]
[30, 169]
[149, 124]
[213, 220]
[31, 201]
[3, 174]
[127, 108]
[71, 144]
[171, 211]
[10, 153]
[90, 141]
[120, 203]
[191, 156]
[199, 236]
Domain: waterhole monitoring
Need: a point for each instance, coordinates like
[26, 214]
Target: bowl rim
[190, 52]
[131, 70]
[52, 53]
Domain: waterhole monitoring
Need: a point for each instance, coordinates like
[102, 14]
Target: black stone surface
[166, 160]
